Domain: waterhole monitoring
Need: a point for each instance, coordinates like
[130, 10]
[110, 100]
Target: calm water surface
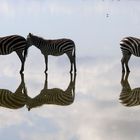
[96, 111]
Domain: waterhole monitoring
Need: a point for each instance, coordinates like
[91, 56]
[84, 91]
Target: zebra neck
[41, 47]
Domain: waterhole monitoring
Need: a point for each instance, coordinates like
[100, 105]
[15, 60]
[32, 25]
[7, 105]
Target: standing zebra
[55, 96]
[129, 45]
[129, 97]
[54, 47]
[14, 100]
[9, 44]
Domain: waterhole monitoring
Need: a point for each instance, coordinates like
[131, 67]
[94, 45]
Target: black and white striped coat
[14, 43]
[129, 97]
[15, 100]
[54, 47]
[129, 46]
[55, 96]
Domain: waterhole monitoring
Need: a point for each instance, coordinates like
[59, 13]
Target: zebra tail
[74, 52]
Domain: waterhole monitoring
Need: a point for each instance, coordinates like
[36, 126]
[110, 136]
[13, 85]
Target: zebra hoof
[21, 72]
[123, 71]
[45, 71]
[128, 72]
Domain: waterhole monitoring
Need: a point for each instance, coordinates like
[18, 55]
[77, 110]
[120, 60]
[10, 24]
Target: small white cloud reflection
[8, 119]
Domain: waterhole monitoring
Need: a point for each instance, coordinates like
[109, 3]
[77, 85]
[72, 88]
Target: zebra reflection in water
[129, 97]
[15, 100]
[54, 96]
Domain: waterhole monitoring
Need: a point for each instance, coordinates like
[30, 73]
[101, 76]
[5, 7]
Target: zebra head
[28, 104]
[34, 40]
[29, 39]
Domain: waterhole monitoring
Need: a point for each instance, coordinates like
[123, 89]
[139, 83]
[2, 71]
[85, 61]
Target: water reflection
[129, 97]
[20, 98]
[54, 96]
[14, 100]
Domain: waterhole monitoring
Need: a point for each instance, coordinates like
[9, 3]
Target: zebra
[129, 97]
[54, 96]
[15, 100]
[54, 47]
[129, 46]
[14, 43]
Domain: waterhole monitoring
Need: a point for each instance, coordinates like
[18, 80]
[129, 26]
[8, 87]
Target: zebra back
[52, 47]
[130, 45]
[8, 44]
[129, 97]
[14, 100]
[11, 100]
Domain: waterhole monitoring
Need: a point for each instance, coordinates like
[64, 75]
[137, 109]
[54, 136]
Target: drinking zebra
[14, 43]
[14, 100]
[54, 47]
[54, 96]
[129, 45]
[129, 97]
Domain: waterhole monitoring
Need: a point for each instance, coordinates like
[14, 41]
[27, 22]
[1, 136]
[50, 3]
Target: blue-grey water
[96, 112]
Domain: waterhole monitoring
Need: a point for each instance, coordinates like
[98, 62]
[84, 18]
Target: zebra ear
[30, 34]
[29, 109]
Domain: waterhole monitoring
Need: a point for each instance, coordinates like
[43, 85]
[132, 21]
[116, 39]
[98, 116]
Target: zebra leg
[23, 84]
[71, 61]
[123, 61]
[126, 63]
[74, 81]
[46, 62]
[122, 78]
[46, 81]
[74, 62]
[21, 57]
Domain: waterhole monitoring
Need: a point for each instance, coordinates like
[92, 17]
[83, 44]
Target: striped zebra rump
[12, 43]
[11, 100]
[56, 47]
[130, 45]
[58, 97]
[60, 46]
[132, 98]
[129, 97]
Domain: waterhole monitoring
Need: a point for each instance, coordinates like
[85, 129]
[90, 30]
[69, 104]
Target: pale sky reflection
[96, 112]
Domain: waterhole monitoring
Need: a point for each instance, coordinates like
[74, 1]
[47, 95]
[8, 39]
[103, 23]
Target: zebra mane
[35, 36]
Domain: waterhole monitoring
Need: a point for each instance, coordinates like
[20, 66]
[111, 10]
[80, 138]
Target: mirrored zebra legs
[74, 63]
[46, 62]
[22, 59]
[124, 61]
